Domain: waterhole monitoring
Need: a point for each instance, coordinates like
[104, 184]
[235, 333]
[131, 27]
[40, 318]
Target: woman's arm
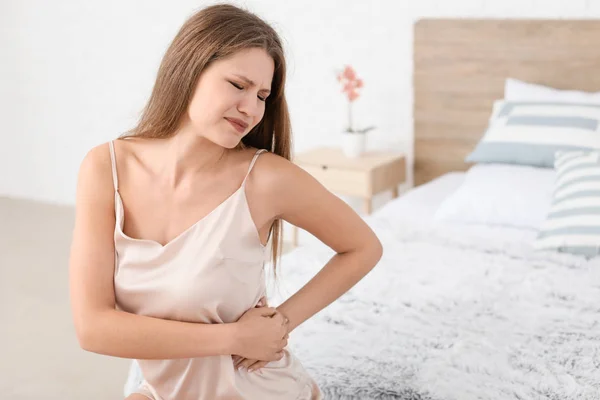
[301, 200]
[101, 328]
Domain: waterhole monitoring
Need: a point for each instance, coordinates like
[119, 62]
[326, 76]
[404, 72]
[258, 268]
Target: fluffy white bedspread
[453, 313]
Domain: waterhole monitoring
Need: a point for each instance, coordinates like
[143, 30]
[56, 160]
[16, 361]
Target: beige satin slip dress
[211, 273]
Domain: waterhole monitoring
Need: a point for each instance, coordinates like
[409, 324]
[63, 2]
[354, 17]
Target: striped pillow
[530, 133]
[573, 223]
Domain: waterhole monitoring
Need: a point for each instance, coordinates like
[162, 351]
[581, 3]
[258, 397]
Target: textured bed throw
[450, 314]
[455, 315]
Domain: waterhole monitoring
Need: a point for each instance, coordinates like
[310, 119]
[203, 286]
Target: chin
[225, 140]
[228, 143]
[231, 145]
[231, 141]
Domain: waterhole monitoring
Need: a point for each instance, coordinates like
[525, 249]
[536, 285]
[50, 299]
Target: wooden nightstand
[363, 177]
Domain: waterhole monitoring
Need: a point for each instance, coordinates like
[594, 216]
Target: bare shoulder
[96, 163]
[283, 184]
[272, 166]
[95, 174]
[275, 174]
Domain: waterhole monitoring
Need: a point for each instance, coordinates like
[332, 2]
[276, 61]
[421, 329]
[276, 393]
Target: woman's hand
[262, 334]
[249, 363]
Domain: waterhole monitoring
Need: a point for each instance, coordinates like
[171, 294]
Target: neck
[189, 154]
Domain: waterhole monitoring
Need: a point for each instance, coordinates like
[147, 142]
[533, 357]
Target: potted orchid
[353, 139]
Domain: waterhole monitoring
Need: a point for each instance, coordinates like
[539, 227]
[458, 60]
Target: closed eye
[239, 87]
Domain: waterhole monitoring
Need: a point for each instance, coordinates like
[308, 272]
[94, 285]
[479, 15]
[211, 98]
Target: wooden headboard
[460, 66]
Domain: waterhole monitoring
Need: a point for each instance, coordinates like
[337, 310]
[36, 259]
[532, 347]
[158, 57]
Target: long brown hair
[210, 34]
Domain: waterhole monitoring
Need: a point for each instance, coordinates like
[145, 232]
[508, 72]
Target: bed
[453, 312]
[458, 309]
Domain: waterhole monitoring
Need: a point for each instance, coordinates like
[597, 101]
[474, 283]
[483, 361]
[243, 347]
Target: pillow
[530, 133]
[420, 203]
[573, 224]
[496, 108]
[496, 194]
[516, 90]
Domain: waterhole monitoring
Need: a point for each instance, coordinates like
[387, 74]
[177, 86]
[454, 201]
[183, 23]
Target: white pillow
[516, 90]
[498, 194]
[420, 203]
[496, 108]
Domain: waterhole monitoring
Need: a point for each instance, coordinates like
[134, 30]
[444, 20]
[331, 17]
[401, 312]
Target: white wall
[74, 74]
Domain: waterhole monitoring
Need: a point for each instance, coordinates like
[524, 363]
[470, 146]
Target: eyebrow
[249, 82]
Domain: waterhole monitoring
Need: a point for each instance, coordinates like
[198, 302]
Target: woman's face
[229, 99]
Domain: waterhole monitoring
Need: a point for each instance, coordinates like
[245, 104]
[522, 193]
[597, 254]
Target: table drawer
[340, 181]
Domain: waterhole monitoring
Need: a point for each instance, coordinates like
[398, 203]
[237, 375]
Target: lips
[238, 124]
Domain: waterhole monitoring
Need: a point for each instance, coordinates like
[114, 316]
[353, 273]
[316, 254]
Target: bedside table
[364, 177]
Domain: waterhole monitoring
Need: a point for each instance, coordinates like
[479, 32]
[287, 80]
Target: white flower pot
[353, 144]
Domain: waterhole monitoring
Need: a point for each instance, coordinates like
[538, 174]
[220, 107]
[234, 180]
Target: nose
[250, 105]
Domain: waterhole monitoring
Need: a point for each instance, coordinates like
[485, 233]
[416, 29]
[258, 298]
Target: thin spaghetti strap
[113, 162]
[252, 164]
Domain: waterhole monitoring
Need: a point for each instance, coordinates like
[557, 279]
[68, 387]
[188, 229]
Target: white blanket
[454, 313]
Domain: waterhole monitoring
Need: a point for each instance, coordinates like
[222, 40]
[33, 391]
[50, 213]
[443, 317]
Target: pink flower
[349, 73]
[350, 87]
[350, 83]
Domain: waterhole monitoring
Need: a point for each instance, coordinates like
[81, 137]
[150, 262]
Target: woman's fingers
[242, 363]
[258, 365]
[246, 363]
[251, 365]
[237, 361]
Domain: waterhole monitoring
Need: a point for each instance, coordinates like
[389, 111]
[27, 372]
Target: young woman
[173, 220]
